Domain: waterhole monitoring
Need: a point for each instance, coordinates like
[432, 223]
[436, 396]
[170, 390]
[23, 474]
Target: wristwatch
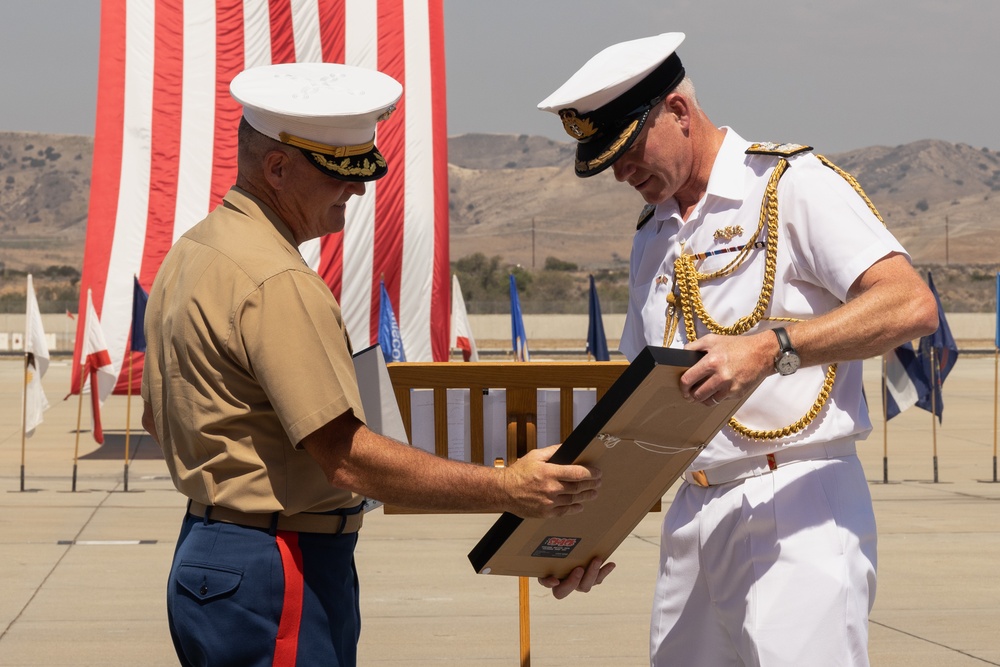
[787, 361]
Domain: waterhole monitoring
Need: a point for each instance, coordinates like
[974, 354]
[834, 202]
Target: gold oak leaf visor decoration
[363, 162]
[604, 134]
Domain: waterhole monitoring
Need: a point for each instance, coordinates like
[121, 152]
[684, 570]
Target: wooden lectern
[521, 382]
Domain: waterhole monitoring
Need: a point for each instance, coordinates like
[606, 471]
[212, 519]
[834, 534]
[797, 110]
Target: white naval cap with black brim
[605, 104]
[326, 110]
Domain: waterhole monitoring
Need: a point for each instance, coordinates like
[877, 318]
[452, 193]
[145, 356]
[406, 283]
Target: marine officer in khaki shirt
[250, 390]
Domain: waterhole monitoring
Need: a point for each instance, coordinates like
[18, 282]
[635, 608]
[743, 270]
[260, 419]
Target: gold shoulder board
[647, 213]
[781, 150]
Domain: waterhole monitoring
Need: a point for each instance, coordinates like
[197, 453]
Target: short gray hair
[686, 88]
[253, 145]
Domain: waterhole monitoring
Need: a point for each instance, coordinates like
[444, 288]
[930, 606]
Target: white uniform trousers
[773, 570]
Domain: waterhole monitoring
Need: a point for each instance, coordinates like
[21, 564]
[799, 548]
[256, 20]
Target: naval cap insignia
[576, 126]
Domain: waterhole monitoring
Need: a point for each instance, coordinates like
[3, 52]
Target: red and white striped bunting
[165, 152]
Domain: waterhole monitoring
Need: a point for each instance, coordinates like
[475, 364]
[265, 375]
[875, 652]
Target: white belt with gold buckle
[755, 466]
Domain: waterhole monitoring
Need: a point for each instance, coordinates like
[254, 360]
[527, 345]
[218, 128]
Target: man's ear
[680, 108]
[678, 105]
[277, 167]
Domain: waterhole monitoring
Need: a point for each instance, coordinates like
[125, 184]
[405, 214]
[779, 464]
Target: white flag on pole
[37, 352]
[98, 368]
[461, 331]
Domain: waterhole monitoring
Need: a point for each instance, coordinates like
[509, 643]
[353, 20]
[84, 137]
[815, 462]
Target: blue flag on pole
[904, 383]
[597, 343]
[938, 354]
[389, 338]
[139, 299]
[518, 339]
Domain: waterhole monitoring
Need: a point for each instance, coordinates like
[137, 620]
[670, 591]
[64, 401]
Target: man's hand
[887, 305]
[579, 579]
[539, 489]
[731, 367]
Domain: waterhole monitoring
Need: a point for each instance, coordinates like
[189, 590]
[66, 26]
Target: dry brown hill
[516, 197]
[942, 200]
[44, 187]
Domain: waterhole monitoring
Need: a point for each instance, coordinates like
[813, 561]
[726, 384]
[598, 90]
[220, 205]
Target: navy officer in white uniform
[774, 263]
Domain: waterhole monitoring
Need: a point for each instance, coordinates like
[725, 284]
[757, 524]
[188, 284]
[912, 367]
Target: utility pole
[532, 243]
[946, 262]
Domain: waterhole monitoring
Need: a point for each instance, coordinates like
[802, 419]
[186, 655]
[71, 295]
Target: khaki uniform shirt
[246, 355]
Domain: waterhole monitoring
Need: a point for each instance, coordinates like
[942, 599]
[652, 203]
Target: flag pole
[128, 416]
[934, 387]
[523, 604]
[996, 377]
[525, 620]
[24, 416]
[79, 413]
[885, 425]
[996, 401]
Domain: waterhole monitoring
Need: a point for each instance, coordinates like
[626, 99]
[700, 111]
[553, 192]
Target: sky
[835, 74]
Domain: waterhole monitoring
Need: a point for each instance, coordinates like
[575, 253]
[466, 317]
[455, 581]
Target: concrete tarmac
[82, 574]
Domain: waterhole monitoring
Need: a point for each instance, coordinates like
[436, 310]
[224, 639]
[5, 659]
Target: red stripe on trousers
[106, 167]
[286, 644]
[390, 201]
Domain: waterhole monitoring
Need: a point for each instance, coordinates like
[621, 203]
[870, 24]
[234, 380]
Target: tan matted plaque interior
[642, 435]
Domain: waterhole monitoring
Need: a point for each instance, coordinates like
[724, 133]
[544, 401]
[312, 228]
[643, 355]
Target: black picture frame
[643, 435]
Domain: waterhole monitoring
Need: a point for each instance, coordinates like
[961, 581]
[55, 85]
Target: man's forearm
[889, 305]
[356, 459]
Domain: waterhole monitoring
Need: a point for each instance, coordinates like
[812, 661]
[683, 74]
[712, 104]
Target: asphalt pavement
[82, 572]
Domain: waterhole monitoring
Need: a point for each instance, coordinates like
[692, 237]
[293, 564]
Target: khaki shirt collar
[240, 200]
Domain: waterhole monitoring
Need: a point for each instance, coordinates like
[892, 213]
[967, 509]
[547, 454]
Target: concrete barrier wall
[543, 327]
[61, 330]
[964, 326]
[972, 326]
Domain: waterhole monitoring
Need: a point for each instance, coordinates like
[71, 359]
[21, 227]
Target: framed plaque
[642, 435]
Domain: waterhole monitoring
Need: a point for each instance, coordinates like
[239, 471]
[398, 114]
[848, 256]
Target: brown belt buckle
[699, 478]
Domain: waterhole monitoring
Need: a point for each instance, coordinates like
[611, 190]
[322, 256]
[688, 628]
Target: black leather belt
[336, 522]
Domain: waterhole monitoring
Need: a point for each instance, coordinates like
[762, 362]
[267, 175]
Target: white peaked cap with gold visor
[605, 104]
[328, 111]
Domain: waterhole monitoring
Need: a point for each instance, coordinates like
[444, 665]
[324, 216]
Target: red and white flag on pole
[98, 371]
[165, 152]
[461, 331]
[35, 402]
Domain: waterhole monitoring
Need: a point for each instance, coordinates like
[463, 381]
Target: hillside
[516, 197]
[43, 199]
[941, 200]
[922, 189]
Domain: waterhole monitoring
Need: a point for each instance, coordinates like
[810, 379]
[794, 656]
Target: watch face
[787, 363]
